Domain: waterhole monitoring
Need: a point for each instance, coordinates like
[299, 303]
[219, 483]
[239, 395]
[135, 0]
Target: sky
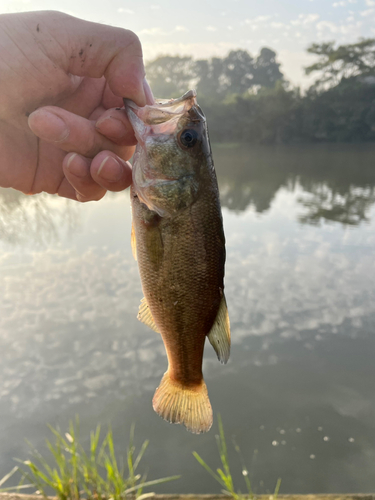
[207, 28]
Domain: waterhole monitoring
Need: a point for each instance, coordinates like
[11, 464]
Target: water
[298, 392]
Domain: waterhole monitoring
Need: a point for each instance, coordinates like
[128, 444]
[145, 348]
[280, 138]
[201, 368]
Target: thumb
[95, 50]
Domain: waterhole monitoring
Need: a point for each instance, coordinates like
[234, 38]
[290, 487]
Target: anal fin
[219, 335]
[145, 316]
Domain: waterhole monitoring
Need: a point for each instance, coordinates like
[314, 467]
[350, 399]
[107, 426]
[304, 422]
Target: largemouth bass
[178, 240]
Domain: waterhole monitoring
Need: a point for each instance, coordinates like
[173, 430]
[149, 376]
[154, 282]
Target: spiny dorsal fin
[133, 243]
[219, 335]
[144, 315]
[180, 404]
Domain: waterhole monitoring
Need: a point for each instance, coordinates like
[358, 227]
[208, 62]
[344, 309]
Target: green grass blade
[16, 488]
[7, 476]
[277, 489]
[152, 483]
[207, 467]
[140, 454]
[76, 474]
[223, 475]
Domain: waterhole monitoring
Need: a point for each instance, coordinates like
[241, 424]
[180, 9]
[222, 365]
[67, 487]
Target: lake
[298, 394]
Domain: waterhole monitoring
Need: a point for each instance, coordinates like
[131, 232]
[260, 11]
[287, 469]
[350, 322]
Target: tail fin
[179, 404]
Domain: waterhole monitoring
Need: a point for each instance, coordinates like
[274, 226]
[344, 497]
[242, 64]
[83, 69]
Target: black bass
[178, 240]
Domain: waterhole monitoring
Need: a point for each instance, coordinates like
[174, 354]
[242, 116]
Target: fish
[178, 240]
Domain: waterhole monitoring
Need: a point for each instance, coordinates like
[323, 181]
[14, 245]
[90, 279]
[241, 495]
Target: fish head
[173, 149]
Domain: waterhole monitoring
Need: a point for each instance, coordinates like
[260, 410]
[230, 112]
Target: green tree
[344, 61]
[238, 72]
[171, 76]
[209, 76]
[266, 69]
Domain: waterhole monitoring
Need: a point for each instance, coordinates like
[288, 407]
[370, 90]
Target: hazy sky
[205, 28]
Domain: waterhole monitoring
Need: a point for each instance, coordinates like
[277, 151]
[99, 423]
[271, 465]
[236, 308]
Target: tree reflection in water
[349, 209]
[338, 184]
[338, 180]
[38, 219]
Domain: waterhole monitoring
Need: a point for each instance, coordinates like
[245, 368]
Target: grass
[97, 474]
[223, 475]
[93, 475]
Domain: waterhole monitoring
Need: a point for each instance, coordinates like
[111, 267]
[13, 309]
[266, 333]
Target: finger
[85, 98]
[110, 100]
[77, 171]
[73, 133]
[115, 125]
[111, 172]
[150, 99]
[91, 49]
[66, 190]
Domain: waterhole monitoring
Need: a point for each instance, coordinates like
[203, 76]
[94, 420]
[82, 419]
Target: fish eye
[188, 137]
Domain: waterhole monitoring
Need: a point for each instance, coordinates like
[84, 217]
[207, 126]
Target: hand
[60, 79]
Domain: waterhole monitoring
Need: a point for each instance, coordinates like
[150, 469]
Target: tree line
[248, 99]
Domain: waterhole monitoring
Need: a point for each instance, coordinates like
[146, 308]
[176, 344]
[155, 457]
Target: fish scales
[180, 248]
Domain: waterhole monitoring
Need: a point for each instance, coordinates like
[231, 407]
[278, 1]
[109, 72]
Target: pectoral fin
[133, 243]
[219, 335]
[145, 316]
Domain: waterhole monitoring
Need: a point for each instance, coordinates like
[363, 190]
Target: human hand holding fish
[62, 79]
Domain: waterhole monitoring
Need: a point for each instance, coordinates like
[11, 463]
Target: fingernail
[110, 169]
[79, 169]
[80, 197]
[148, 92]
[57, 130]
[111, 127]
[70, 160]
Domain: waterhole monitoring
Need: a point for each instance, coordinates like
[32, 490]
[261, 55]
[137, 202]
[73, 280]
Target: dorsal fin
[219, 335]
[144, 315]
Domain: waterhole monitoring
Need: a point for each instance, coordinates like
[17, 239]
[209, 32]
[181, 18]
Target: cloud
[326, 25]
[154, 7]
[211, 28]
[367, 12]
[261, 19]
[304, 19]
[181, 28]
[342, 3]
[153, 32]
[198, 50]
[370, 3]
[257, 20]
[121, 10]
[159, 32]
[344, 29]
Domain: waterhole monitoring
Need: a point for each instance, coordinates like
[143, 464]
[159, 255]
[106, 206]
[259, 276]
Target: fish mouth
[162, 117]
[163, 109]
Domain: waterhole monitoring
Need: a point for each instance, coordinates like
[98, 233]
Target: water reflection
[35, 219]
[350, 209]
[338, 181]
[302, 307]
